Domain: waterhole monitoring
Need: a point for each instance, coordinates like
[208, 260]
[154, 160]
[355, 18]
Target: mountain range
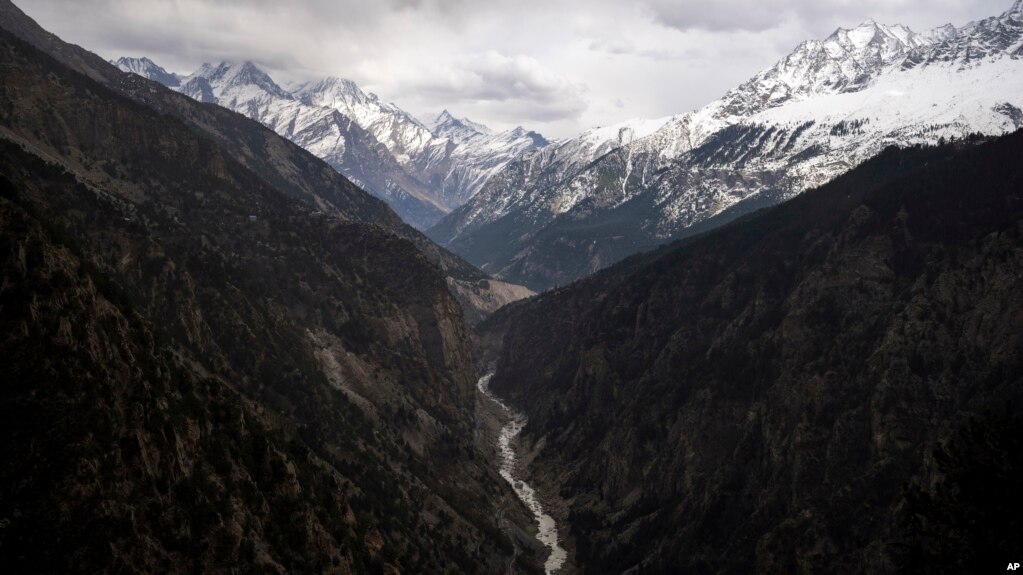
[563, 211]
[220, 354]
[542, 213]
[421, 171]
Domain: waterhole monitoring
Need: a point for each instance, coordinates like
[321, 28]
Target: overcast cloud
[556, 66]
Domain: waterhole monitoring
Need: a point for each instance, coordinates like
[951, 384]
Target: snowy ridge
[824, 108]
[421, 172]
[472, 153]
[531, 180]
[147, 69]
[457, 129]
[402, 134]
[327, 132]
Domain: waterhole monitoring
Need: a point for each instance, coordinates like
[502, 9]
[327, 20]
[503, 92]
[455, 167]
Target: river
[547, 529]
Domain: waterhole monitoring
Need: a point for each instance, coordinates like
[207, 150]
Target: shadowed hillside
[208, 366]
[754, 399]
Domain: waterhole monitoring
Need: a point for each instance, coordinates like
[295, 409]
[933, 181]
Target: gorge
[782, 333]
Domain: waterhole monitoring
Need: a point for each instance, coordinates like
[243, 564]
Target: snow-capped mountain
[404, 136]
[236, 84]
[575, 206]
[530, 180]
[148, 69]
[421, 172]
[466, 154]
[327, 132]
[454, 157]
[458, 129]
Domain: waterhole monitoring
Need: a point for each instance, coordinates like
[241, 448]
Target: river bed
[548, 529]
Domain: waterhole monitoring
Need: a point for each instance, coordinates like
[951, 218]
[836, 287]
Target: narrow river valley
[548, 530]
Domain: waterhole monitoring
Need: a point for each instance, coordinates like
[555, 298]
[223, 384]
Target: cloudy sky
[556, 66]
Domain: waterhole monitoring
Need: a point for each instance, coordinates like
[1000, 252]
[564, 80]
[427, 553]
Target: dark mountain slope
[187, 388]
[754, 398]
[277, 161]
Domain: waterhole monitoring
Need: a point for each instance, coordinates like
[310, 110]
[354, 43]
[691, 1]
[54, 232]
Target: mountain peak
[338, 83]
[863, 34]
[233, 76]
[127, 61]
[228, 69]
[249, 72]
[333, 92]
[248, 66]
[147, 69]
[446, 124]
[872, 32]
[1016, 9]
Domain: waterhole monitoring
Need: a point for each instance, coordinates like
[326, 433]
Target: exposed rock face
[486, 296]
[218, 354]
[753, 399]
